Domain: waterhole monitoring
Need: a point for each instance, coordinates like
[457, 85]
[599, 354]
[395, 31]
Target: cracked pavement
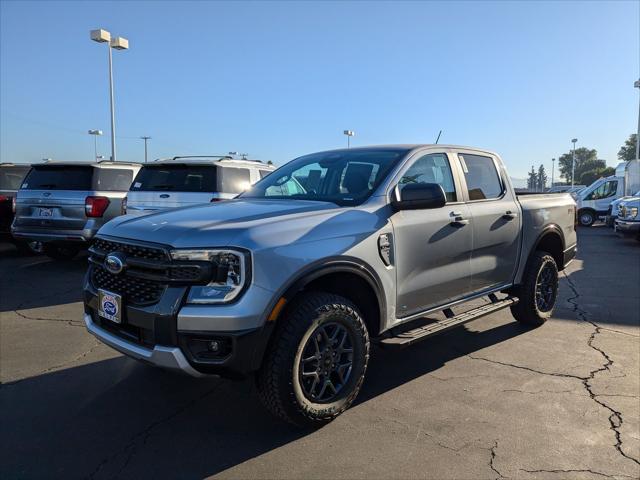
[490, 400]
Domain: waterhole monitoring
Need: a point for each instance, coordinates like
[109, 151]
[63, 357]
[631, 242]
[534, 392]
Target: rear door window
[11, 177]
[483, 181]
[177, 178]
[112, 179]
[234, 180]
[59, 177]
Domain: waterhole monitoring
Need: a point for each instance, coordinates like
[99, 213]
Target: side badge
[385, 248]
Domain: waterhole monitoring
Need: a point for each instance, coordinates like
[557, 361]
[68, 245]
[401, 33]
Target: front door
[432, 246]
[495, 218]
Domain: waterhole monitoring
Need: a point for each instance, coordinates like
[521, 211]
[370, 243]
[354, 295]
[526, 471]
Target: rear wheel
[60, 252]
[317, 360]
[586, 217]
[538, 291]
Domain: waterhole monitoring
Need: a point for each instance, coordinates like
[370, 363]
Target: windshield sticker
[137, 185]
[24, 185]
[463, 163]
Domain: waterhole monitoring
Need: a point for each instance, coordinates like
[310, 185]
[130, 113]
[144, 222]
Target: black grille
[135, 251]
[134, 290]
[185, 274]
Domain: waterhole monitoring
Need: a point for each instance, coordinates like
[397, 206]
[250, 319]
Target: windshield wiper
[164, 187]
[48, 186]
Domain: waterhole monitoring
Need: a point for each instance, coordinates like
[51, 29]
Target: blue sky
[278, 80]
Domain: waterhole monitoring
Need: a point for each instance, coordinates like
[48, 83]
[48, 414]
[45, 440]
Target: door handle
[457, 220]
[509, 215]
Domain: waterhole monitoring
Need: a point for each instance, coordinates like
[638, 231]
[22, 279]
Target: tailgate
[54, 209]
[150, 201]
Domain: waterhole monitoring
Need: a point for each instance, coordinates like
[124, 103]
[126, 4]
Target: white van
[595, 200]
[186, 181]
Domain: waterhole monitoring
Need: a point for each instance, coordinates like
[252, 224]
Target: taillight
[95, 206]
[13, 204]
[3, 198]
[123, 208]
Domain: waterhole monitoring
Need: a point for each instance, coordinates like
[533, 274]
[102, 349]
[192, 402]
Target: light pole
[145, 147]
[553, 168]
[119, 43]
[573, 160]
[95, 134]
[349, 134]
[636, 84]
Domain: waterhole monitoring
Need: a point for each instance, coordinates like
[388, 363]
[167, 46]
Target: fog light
[214, 346]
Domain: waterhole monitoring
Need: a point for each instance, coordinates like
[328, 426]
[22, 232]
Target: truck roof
[414, 146]
[223, 160]
[103, 163]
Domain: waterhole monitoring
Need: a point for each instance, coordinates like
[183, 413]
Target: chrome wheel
[546, 288]
[326, 362]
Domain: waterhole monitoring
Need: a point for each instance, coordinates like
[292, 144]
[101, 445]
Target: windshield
[11, 177]
[341, 177]
[59, 177]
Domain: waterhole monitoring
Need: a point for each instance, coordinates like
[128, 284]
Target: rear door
[432, 246]
[162, 186]
[52, 197]
[495, 220]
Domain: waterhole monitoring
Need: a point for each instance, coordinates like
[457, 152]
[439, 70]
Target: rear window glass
[482, 178]
[113, 179]
[11, 177]
[179, 178]
[234, 180]
[59, 177]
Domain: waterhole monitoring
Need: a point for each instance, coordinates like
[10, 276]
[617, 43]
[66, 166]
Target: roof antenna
[438, 137]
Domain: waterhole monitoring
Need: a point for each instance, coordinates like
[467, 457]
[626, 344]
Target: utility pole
[573, 160]
[636, 84]
[553, 168]
[95, 134]
[145, 147]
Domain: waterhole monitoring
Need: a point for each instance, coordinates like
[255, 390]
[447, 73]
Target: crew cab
[293, 281]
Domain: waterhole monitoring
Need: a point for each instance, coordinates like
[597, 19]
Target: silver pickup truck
[295, 279]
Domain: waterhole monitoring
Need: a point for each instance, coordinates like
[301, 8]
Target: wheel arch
[552, 241]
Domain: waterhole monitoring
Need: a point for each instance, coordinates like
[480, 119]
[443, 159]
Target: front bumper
[166, 357]
[628, 227]
[151, 334]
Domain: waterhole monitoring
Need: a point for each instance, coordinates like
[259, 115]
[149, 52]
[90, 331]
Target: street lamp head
[100, 35]
[574, 140]
[120, 43]
[349, 133]
[636, 84]
[95, 132]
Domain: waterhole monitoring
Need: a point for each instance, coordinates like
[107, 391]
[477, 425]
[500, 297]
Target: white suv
[187, 181]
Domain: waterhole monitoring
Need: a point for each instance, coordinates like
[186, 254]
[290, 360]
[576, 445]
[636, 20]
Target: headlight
[632, 212]
[229, 274]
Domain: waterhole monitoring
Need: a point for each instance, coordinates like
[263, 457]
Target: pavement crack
[63, 320]
[493, 458]
[615, 419]
[529, 369]
[130, 449]
[584, 470]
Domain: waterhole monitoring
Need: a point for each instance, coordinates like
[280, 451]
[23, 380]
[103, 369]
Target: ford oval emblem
[46, 194]
[114, 264]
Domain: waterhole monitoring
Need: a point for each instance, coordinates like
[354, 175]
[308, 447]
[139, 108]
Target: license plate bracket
[45, 212]
[110, 306]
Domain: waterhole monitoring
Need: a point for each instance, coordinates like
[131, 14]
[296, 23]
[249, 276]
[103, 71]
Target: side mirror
[417, 196]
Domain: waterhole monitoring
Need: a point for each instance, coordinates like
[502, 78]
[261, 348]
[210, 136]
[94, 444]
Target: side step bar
[410, 337]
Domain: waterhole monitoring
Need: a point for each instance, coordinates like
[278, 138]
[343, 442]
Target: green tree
[628, 150]
[532, 180]
[541, 179]
[586, 159]
[592, 175]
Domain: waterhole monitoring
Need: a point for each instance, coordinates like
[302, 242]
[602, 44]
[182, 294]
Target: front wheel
[538, 291]
[586, 218]
[316, 364]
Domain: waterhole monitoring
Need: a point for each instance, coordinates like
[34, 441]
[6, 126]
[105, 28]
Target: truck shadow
[119, 418]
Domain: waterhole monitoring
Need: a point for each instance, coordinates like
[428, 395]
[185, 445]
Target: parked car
[294, 279]
[187, 181]
[64, 204]
[614, 209]
[11, 176]
[628, 221]
[594, 201]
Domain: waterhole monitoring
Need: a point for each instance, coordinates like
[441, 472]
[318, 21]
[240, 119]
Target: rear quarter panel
[540, 212]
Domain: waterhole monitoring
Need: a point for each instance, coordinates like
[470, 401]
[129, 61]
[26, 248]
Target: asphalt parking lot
[489, 400]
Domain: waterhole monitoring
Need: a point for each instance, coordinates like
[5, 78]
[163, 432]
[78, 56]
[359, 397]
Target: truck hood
[248, 223]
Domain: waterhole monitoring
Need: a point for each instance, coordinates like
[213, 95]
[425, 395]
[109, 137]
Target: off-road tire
[60, 252]
[278, 383]
[526, 310]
